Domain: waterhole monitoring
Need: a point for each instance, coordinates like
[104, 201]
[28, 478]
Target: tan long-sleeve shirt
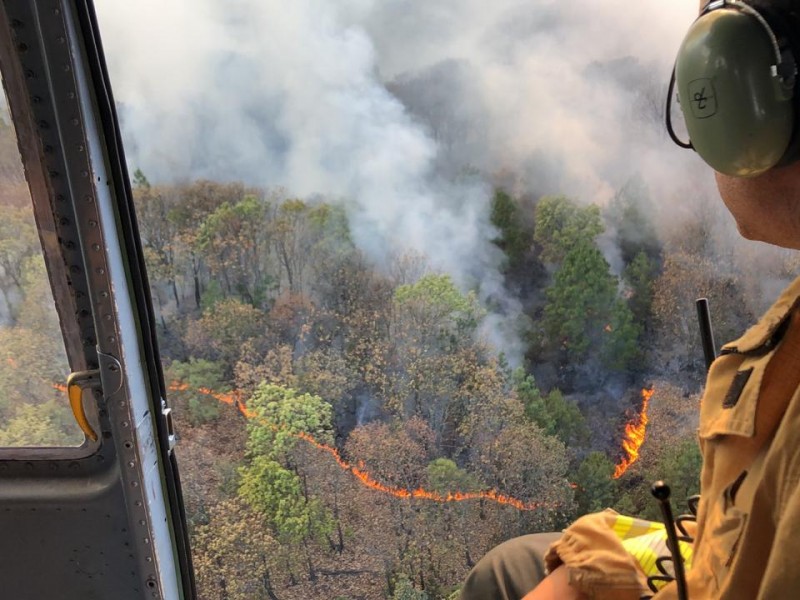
[747, 543]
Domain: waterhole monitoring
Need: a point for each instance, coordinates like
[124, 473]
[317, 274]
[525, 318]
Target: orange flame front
[367, 480]
[361, 474]
[634, 436]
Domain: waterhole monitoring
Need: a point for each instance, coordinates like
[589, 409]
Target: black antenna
[706, 333]
[661, 492]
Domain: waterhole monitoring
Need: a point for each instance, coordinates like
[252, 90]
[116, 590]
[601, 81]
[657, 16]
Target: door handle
[76, 383]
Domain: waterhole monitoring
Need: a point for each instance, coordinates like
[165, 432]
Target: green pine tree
[580, 299]
[595, 489]
[514, 238]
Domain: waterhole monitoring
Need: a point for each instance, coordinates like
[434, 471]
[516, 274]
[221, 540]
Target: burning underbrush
[635, 432]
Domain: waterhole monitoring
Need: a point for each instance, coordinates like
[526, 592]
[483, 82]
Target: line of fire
[635, 432]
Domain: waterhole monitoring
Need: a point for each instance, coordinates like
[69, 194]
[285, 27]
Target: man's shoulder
[770, 328]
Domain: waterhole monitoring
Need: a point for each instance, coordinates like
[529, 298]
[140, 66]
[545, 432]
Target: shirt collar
[765, 334]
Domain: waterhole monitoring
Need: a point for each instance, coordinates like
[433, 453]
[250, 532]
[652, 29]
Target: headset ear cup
[739, 114]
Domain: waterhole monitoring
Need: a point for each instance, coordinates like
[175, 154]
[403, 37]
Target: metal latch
[172, 439]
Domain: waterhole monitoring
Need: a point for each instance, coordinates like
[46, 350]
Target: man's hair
[783, 6]
[780, 10]
[773, 4]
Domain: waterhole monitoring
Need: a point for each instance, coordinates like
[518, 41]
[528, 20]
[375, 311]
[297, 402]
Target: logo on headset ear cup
[738, 110]
[703, 98]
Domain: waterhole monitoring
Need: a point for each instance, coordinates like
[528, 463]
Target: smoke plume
[406, 109]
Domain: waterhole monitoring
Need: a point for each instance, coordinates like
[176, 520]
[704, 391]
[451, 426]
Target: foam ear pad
[740, 113]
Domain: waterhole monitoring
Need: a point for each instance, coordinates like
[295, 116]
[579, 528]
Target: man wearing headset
[737, 80]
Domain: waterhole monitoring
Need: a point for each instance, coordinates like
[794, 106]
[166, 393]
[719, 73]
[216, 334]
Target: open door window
[34, 368]
[90, 501]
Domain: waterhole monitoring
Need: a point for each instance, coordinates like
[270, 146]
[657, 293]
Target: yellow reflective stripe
[646, 541]
[687, 552]
[649, 565]
[622, 526]
[647, 548]
[629, 527]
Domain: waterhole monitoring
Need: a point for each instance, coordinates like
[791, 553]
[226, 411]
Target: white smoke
[284, 94]
[388, 103]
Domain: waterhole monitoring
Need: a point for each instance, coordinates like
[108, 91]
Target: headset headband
[746, 8]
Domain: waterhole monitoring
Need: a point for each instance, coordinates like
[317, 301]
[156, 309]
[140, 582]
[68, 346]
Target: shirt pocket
[724, 531]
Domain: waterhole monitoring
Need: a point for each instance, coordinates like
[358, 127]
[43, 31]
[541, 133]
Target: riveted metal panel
[89, 522]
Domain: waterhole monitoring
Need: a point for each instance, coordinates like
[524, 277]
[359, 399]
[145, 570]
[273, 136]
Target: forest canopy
[353, 429]
[358, 419]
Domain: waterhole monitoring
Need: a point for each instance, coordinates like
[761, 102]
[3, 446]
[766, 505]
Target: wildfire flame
[420, 493]
[360, 473]
[634, 436]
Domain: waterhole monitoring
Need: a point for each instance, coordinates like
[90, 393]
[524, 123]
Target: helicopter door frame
[63, 109]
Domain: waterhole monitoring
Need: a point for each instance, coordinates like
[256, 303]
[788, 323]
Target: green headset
[736, 78]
